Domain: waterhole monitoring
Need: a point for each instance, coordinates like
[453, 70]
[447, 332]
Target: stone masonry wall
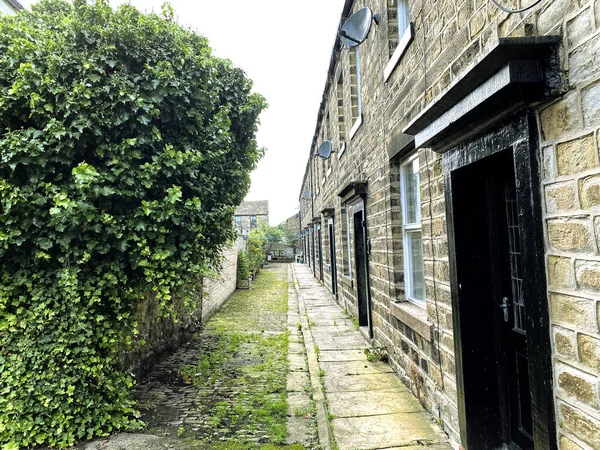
[450, 36]
[158, 336]
[218, 289]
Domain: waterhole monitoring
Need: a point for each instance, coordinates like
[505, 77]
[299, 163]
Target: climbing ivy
[124, 147]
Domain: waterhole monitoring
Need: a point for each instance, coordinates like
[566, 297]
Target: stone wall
[218, 289]
[159, 336]
[449, 37]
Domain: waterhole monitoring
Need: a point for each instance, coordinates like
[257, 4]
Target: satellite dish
[357, 27]
[325, 150]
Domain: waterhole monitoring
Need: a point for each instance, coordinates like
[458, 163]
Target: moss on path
[227, 389]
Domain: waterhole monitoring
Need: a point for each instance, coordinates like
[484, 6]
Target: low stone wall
[217, 290]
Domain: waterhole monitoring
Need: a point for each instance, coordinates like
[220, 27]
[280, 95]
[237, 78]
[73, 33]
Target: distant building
[249, 214]
[10, 6]
[293, 224]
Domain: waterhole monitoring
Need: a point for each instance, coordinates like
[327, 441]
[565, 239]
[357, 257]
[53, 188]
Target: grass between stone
[246, 367]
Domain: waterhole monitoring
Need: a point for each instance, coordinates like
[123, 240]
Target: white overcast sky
[284, 47]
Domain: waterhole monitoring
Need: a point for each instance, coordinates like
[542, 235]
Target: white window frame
[407, 229]
[358, 121]
[405, 36]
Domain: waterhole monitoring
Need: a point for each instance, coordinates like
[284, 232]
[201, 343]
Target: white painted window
[403, 17]
[411, 231]
[355, 95]
[400, 33]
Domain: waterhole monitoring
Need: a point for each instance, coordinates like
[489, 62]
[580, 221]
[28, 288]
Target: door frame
[320, 250]
[521, 133]
[358, 206]
[332, 257]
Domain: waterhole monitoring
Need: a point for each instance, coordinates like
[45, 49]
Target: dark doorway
[332, 257]
[362, 268]
[489, 272]
[320, 250]
[501, 322]
[312, 247]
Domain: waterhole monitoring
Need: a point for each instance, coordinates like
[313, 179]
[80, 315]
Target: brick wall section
[450, 36]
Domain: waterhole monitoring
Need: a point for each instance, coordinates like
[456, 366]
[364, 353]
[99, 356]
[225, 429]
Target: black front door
[320, 250]
[490, 284]
[332, 258]
[362, 275]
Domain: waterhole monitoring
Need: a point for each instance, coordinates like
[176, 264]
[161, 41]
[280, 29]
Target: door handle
[504, 307]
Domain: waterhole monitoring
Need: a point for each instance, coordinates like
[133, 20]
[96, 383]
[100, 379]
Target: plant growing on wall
[124, 147]
[243, 266]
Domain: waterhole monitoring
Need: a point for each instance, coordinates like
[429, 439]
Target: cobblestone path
[226, 389]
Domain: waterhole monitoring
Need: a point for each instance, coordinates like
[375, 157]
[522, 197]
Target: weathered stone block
[570, 235]
[560, 272]
[584, 61]
[576, 155]
[548, 163]
[578, 384]
[581, 425]
[589, 191]
[560, 197]
[564, 342]
[587, 274]
[477, 22]
[591, 105]
[574, 312]
[578, 28]
[561, 117]
[589, 351]
[567, 444]
[554, 13]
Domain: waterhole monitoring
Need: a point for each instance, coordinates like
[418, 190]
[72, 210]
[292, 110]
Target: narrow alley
[280, 366]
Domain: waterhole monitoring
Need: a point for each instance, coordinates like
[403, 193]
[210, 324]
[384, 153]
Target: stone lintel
[515, 73]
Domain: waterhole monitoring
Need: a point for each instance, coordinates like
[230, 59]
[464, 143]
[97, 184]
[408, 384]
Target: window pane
[417, 282]
[403, 18]
[411, 191]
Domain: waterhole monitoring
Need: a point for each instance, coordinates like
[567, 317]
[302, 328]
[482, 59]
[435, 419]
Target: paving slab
[338, 369]
[341, 355]
[370, 406]
[297, 362]
[371, 382]
[385, 431]
[371, 403]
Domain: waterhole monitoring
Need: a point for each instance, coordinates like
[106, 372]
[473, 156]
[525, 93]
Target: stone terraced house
[250, 214]
[458, 217]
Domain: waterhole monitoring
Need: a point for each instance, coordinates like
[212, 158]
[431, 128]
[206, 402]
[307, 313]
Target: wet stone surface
[227, 387]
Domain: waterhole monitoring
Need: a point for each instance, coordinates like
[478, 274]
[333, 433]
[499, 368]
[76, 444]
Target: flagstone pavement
[367, 405]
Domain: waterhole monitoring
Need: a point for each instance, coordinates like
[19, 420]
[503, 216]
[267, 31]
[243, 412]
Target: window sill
[347, 281]
[356, 126]
[328, 172]
[413, 317]
[342, 150]
[323, 181]
[407, 38]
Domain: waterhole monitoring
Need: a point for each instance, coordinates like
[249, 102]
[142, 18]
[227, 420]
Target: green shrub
[243, 267]
[256, 254]
[124, 147]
